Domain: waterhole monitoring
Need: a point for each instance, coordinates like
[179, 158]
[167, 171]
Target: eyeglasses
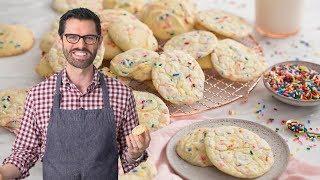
[88, 39]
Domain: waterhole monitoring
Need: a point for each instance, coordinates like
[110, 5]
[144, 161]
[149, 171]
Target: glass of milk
[278, 18]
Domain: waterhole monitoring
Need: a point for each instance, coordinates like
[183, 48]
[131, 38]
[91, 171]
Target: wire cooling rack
[217, 90]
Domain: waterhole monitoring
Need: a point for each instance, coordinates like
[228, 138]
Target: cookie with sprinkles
[128, 34]
[107, 72]
[108, 16]
[197, 26]
[132, 6]
[238, 151]
[168, 18]
[11, 107]
[236, 62]
[15, 39]
[191, 148]
[178, 77]
[152, 111]
[223, 23]
[145, 171]
[58, 61]
[43, 68]
[135, 63]
[196, 43]
[62, 6]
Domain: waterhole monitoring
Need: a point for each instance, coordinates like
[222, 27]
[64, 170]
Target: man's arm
[129, 122]
[26, 148]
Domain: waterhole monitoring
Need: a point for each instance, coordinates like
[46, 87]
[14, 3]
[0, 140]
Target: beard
[80, 58]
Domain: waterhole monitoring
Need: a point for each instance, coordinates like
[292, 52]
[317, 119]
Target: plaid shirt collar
[66, 83]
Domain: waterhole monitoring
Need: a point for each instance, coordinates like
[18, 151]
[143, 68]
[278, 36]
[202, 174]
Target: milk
[278, 18]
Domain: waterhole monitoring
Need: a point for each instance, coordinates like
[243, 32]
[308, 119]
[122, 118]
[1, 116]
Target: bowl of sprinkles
[294, 82]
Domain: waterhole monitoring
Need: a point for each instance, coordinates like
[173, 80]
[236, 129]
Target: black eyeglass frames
[88, 39]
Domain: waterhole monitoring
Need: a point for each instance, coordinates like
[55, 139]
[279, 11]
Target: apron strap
[105, 92]
[57, 94]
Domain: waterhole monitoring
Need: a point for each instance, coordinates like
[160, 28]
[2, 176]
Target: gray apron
[81, 144]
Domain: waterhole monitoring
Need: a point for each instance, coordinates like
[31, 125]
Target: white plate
[279, 146]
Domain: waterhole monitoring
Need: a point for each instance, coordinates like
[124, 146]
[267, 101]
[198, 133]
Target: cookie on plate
[152, 111]
[178, 77]
[107, 72]
[238, 152]
[58, 61]
[62, 6]
[223, 23]
[145, 171]
[11, 107]
[236, 62]
[196, 43]
[132, 6]
[15, 39]
[128, 34]
[191, 148]
[43, 68]
[168, 18]
[135, 63]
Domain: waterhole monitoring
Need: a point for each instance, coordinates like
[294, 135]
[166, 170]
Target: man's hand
[137, 144]
[9, 171]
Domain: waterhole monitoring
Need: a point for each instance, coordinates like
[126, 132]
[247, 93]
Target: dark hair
[81, 14]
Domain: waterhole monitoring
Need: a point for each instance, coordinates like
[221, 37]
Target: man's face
[79, 54]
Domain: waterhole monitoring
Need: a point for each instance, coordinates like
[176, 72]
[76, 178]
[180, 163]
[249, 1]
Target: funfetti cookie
[223, 23]
[196, 43]
[107, 72]
[48, 39]
[178, 77]
[58, 61]
[11, 107]
[132, 6]
[108, 16]
[43, 68]
[152, 111]
[167, 18]
[205, 62]
[238, 152]
[128, 34]
[111, 48]
[236, 62]
[145, 171]
[63, 6]
[191, 148]
[15, 39]
[135, 63]
[140, 129]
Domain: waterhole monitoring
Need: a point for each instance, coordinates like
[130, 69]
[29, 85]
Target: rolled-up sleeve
[129, 121]
[26, 148]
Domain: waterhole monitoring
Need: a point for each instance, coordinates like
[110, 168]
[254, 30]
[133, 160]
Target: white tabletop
[18, 71]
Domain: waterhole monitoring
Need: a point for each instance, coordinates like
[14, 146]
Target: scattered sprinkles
[295, 81]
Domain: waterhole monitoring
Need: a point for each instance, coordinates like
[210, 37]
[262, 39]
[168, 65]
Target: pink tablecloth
[296, 170]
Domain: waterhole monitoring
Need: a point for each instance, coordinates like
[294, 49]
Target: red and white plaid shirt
[30, 142]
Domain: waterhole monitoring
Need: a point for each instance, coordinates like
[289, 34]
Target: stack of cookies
[164, 44]
[233, 150]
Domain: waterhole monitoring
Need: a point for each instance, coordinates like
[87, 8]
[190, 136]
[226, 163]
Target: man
[78, 121]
